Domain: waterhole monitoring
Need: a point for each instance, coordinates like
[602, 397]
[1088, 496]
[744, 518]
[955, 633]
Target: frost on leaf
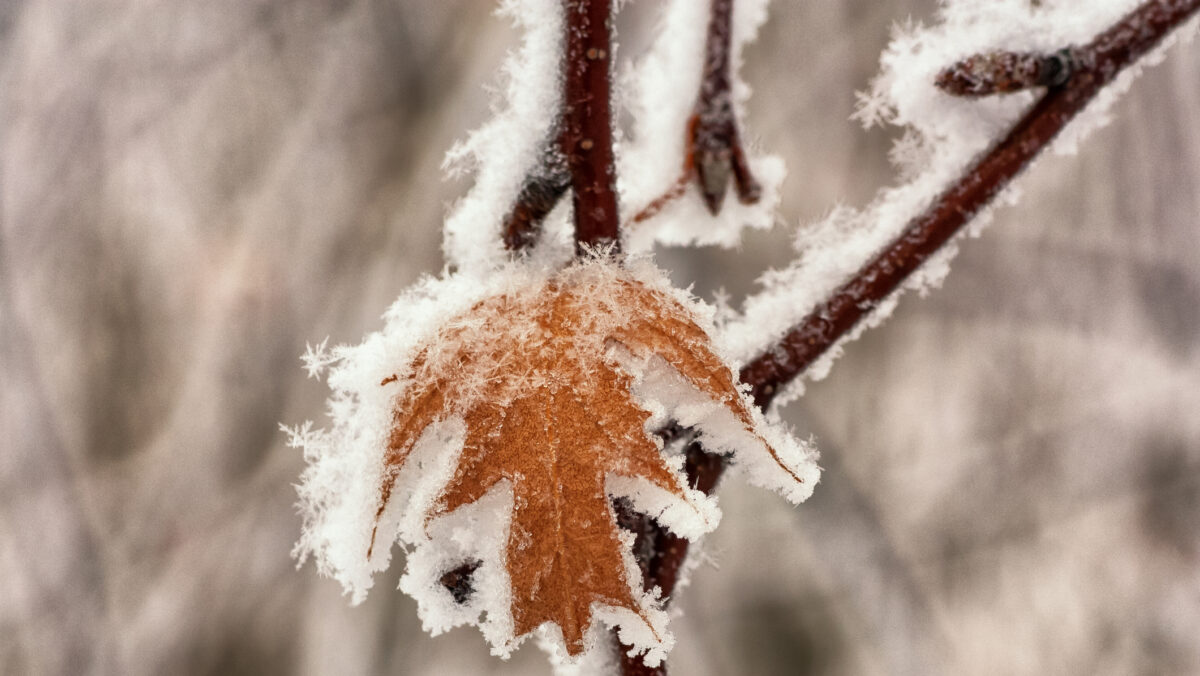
[551, 388]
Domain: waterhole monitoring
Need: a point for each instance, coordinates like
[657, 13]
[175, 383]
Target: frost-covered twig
[714, 144]
[1005, 73]
[1094, 65]
[538, 197]
[716, 147]
[587, 138]
[693, 66]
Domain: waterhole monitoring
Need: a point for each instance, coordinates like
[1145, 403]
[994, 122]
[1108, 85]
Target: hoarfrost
[943, 134]
[339, 491]
[511, 145]
[662, 90]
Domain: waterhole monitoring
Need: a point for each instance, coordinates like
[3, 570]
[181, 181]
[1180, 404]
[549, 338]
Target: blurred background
[192, 189]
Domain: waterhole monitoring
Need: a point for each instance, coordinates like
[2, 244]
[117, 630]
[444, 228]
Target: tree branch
[1095, 65]
[586, 139]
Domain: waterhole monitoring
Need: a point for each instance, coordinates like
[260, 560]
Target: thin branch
[660, 553]
[1006, 72]
[1095, 65]
[587, 138]
[677, 190]
[539, 195]
[716, 147]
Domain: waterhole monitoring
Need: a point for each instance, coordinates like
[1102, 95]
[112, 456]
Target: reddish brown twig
[714, 145]
[538, 197]
[1005, 72]
[677, 189]
[586, 139]
[1096, 65]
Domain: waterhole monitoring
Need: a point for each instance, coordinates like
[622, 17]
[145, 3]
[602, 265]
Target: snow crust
[943, 134]
[339, 491]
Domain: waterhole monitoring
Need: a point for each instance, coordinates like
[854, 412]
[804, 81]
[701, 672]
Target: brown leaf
[547, 408]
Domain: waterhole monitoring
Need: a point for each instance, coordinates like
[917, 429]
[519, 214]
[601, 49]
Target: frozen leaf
[548, 408]
[503, 430]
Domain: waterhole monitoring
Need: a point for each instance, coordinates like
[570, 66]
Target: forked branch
[715, 145]
[714, 149]
[1092, 67]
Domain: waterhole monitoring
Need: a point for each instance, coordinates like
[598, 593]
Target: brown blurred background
[191, 189]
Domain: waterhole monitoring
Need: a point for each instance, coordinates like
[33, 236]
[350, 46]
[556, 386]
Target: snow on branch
[1113, 55]
[515, 147]
[686, 97]
[827, 297]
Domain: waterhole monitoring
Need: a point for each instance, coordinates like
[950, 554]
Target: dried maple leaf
[544, 393]
[548, 407]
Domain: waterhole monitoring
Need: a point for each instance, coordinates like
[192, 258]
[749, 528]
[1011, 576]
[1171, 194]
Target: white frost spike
[662, 95]
[339, 491]
[317, 359]
[943, 135]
